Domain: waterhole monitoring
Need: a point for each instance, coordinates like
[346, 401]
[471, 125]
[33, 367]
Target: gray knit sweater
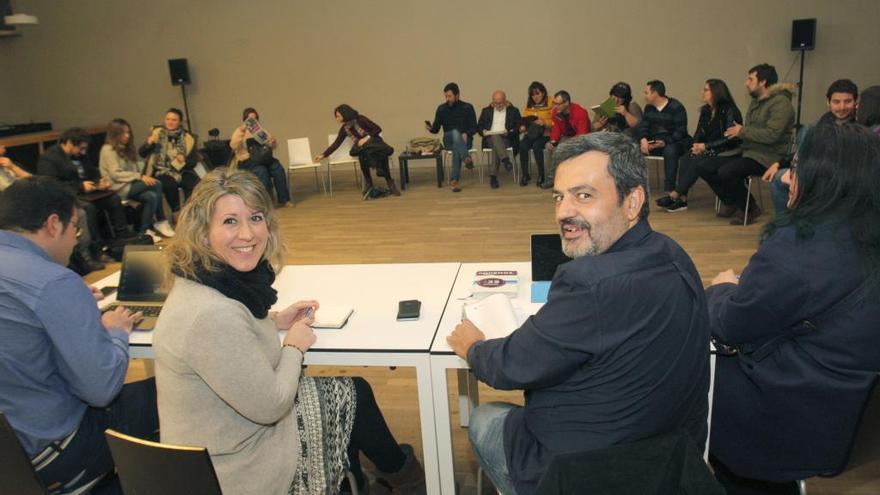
[225, 383]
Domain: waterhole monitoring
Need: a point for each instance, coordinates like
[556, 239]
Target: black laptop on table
[141, 286]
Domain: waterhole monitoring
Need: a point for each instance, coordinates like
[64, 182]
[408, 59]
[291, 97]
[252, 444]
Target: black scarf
[253, 288]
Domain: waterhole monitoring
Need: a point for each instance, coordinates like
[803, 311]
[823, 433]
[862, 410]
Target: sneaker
[677, 205]
[468, 163]
[455, 187]
[665, 201]
[547, 184]
[507, 165]
[164, 228]
[154, 235]
[493, 182]
[727, 211]
[749, 219]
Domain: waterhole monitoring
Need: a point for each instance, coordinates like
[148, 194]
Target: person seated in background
[765, 140]
[66, 162]
[459, 122]
[627, 113]
[170, 151]
[711, 149]
[367, 145]
[663, 130]
[620, 351]
[569, 120]
[258, 159]
[799, 326]
[62, 363]
[499, 125]
[843, 103]
[536, 126]
[9, 170]
[119, 164]
[868, 113]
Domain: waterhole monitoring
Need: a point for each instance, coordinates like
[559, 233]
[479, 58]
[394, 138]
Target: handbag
[261, 155]
[375, 146]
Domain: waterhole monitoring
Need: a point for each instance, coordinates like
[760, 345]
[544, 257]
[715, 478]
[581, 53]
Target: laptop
[141, 285]
[546, 255]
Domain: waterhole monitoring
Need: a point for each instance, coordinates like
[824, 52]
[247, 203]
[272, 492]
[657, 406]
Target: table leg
[468, 396]
[403, 175]
[444, 434]
[429, 425]
[440, 170]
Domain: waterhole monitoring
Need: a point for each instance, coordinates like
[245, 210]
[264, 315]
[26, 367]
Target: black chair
[146, 467]
[17, 476]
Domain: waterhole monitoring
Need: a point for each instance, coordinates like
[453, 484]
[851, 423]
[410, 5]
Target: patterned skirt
[325, 409]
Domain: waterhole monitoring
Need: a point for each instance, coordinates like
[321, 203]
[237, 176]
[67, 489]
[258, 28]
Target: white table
[443, 359]
[372, 336]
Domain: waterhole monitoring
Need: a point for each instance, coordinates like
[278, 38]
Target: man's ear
[633, 203]
[54, 226]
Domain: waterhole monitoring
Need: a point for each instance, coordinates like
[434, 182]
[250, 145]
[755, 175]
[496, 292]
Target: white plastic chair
[340, 157]
[299, 154]
[447, 164]
[489, 155]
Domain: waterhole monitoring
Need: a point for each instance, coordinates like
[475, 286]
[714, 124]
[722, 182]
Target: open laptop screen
[142, 273]
[547, 255]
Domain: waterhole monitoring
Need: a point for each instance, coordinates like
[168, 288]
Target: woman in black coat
[711, 148]
[801, 323]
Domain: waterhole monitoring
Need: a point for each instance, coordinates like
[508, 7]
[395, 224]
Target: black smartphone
[408, 310]
[428, 123]
[110, 289]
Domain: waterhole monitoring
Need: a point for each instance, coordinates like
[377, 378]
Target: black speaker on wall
[803, 34]
[179, 71]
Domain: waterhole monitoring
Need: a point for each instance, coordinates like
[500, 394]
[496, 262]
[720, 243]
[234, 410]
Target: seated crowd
[619, 354]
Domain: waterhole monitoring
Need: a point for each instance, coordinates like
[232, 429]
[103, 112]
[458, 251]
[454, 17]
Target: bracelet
[296, 347]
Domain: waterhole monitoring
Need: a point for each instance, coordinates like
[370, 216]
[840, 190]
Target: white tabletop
[373, 291]
[461, 293]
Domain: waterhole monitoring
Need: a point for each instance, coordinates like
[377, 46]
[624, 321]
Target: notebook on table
[141, 285]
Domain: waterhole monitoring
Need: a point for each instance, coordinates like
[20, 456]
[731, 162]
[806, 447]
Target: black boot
[409, 480]
[82, 262]
[392, 186]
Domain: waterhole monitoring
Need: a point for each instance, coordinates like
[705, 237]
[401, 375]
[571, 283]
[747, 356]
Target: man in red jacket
[569, 120]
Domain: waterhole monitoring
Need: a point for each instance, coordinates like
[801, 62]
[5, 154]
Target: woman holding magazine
[250, 154]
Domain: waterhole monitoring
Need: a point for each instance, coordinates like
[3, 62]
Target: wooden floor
[428, 224]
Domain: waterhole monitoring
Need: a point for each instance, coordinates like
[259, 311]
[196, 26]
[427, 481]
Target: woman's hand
[318, 158]
[296, 312]
[362, 141]
[621, 110]
[152, 139]
[300, 336]
[599, 123]
[725, 277]
[698, 148]
[146, 179]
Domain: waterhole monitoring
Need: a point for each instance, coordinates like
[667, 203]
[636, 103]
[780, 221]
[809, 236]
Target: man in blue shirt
[62, 364]
[620, 352]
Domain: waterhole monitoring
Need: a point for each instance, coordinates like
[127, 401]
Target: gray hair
[626, 165]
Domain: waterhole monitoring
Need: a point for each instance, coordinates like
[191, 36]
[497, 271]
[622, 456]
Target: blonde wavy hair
[189, 248]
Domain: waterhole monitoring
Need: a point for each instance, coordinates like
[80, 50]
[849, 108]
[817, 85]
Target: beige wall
[91, 60]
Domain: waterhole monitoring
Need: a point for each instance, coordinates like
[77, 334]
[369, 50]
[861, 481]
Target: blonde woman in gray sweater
[226, 383]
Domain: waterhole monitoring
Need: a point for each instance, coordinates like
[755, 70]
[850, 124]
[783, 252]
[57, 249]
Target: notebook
[332, 316]
[546, 255]
[141, 285]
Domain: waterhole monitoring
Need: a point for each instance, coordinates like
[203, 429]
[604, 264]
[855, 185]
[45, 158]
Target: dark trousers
[268, 174]
[738, 485]
[691, 167]
[113, 206]
[170, 187]
[87, 457]
[670, 153]
[727, 180]
[370, 435]
[378, 161]
[537, 145]
[150, 197]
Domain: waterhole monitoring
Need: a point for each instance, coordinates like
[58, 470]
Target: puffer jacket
[769, 123]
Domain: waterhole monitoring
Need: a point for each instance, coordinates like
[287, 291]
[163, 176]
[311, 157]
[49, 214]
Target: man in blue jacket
[619, 353]
[62, 364]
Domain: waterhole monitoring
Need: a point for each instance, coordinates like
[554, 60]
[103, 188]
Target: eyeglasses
[78, 232]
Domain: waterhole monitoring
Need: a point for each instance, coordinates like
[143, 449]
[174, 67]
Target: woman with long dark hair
[710, 149]
[627, 113]
[799, 326]
[119, 163]
[537, 123]
[368, 147]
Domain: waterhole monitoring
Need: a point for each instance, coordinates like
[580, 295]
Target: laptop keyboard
[148, 311]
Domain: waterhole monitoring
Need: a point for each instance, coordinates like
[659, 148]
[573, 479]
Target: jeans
[779, 193]
[453, 141]
[486, 432]
[87, 457]
[150, 198]
[274, 172]
[537, 145]
[727, 180]
[670, 153]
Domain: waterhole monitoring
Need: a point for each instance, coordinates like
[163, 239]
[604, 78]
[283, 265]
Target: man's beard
[569, 247]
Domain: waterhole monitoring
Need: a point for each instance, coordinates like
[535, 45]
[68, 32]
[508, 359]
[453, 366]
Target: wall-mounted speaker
[803, 34]
[179, 71]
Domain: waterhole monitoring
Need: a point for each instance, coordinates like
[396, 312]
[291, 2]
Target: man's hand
[88, 186]
[725, 277]
[104, 183]
[600, 123]
[5, 162]
[295, 313]
[733, 131]
[427, 127]
[698, 148]
[120, 319]
[463, 337]
[620, 109]
[96, 293]
[657, 144]
[643, 146]
[771, 172]
[150, 181]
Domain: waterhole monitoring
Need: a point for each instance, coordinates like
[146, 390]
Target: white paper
[494, 316]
